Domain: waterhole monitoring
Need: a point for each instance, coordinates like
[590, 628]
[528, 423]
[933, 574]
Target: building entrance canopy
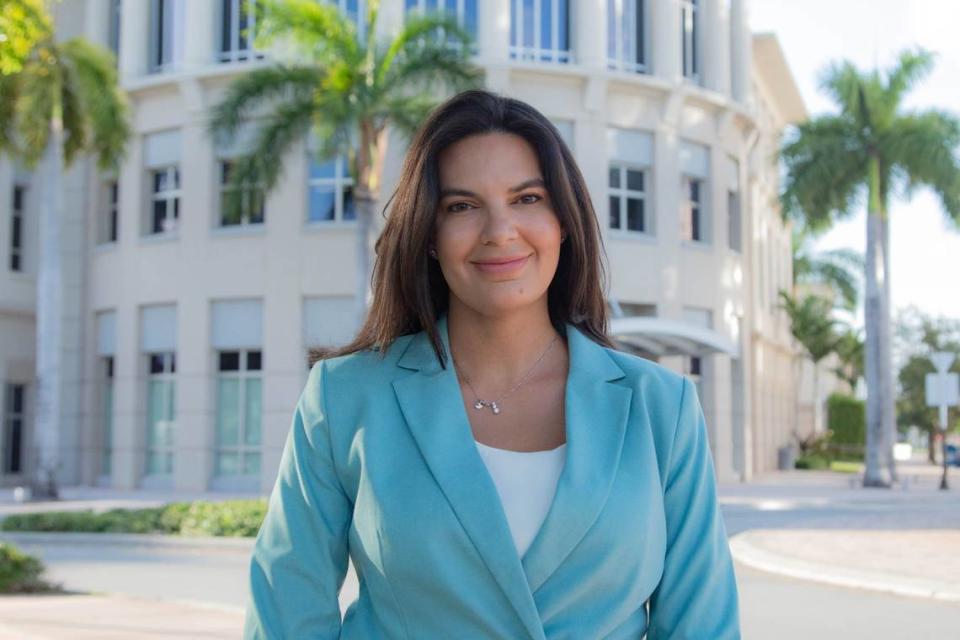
[661, 337]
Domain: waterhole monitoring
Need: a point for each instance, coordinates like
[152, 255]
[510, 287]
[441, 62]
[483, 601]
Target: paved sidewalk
[821, 526]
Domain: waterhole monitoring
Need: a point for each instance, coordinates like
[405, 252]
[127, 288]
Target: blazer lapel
[432, 405]
[596, 414]
[596, 418]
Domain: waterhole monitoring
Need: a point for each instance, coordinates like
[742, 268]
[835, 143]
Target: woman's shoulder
[364, 365]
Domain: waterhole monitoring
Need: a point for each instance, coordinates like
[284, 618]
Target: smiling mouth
[501, 267]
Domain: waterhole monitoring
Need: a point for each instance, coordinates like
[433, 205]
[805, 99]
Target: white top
[526, 482]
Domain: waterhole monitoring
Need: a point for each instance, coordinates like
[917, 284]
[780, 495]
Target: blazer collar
[596, 417]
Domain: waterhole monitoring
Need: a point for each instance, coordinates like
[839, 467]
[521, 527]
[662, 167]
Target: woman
[492, 466]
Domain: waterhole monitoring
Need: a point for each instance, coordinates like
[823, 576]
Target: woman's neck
[497, 351]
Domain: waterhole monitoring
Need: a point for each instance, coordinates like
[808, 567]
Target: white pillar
[200, 37]
[589, 26]
[665, 32]
[389, 19]
[741, 50]
[97, 21]
[494, 31]
[715, 35]
[134, 38]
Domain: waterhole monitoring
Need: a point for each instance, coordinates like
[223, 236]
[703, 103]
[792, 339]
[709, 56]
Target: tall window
[13, 420]
[626, 35]
[690, 38]
[734, 222]
[628, 198]
[693, 224]
[161, 387]
[109, 212]
[465, 11]
[113, 29]
[696, 365]
[331, 191]
[238, 30]
[106, 406]
[250, 198]
[540, 30]
[165, 199]
[167, 25]
[16, 228]
[239, 390]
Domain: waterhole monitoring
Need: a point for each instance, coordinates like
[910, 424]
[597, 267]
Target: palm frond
[924, 145]
[104, 105]
[37, 99]
[322, 33]
[910, 68]
[9, 92]
[407, 113]
[825, 171]
[253, 90]
[73, 116]
[841, 81]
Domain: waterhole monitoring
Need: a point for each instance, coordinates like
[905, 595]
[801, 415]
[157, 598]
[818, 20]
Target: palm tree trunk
[49, 315]
[365, 209]
[873, 315]
[817, 408]
[889, 409]
[369, 173]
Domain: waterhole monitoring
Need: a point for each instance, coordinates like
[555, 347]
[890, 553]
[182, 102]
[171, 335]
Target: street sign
[942, 360]
[943, 389]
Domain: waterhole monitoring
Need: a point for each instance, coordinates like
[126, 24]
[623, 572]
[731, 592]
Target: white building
[186, 352]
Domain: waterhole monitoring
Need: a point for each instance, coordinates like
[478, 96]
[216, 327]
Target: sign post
[943, 391]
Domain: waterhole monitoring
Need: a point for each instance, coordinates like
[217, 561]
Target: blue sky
[869, 33]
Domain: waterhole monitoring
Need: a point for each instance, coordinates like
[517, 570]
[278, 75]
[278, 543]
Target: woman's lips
[502, 267]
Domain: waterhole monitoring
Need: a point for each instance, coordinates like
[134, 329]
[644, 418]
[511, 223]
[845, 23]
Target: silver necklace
[494, 404]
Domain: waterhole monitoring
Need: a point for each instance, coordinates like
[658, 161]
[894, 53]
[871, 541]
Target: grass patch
[846, 466]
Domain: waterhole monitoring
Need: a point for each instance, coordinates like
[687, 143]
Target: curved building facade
[187, 348]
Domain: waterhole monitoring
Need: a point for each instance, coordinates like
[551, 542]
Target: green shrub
[20, 572]
[227, 518]
[847, 419]
[812, 462]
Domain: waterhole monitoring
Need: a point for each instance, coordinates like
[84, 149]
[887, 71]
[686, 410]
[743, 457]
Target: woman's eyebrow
[532, 182]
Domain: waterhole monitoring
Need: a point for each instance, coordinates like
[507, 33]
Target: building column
[493, 27]
[129, 418]
[665, 34]
[97, 21]
[134, 38]
[714, 36]
[741, 43]
[588, 19]
[200, 36]
[390, 19]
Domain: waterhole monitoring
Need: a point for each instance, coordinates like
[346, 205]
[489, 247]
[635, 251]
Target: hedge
[234, 518]
[20, 572]
[847, 419]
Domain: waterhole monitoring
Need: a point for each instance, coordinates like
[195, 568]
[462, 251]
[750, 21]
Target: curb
[206, 543]
[746, 550]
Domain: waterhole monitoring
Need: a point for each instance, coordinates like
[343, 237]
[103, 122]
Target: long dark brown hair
[409, 291]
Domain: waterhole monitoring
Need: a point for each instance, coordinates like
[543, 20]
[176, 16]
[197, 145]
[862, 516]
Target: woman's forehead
[500, 159]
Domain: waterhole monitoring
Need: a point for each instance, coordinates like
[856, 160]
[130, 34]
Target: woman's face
[494, 207]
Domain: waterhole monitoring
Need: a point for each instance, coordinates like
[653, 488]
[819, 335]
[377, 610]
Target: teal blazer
[380, 465]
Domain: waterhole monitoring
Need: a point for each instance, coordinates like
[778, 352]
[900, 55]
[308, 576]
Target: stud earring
[432, 252]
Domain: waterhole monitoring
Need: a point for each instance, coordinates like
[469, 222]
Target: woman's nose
[499, 224]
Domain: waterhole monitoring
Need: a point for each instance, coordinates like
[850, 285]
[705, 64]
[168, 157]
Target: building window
[238, 30]
[251, 199]
[331, 191]
[109, 212]
[626, 35]
[690, 38]
[692, 217]
[13, 421]
[540, 30]
[238, 413]
[16, 228]
[627, 198]
[465, 11]
[734, 222]
[166, 34]
[161, 387]
[106, 406]
[113, 29]
[165, 199]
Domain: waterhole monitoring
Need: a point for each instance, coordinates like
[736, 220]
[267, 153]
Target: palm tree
[63, 102]
[347, 89]
[850, 351]
[813, 327]
[835, 269]
[22, 24]
[872, 147]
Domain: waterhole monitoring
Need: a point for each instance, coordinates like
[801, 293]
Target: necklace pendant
[496, 409]
[478, 404]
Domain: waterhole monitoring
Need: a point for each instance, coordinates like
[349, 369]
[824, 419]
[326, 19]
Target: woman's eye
[451, 208]
[531, 195]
